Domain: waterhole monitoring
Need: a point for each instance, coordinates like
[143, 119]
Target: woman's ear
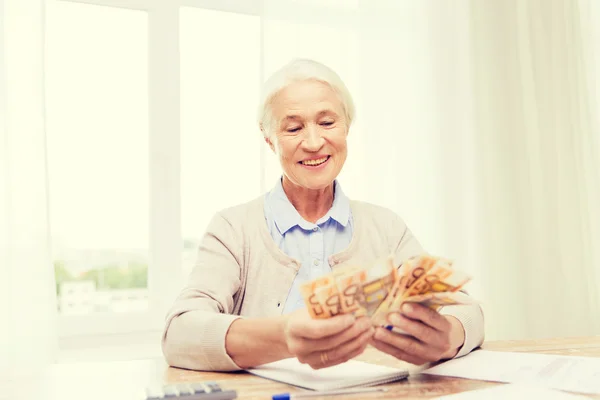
[267, 138]
[270, 143]
[347, 126]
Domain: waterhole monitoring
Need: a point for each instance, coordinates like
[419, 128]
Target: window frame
[165, 236]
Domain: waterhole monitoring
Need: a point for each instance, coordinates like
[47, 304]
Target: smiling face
[308, 133]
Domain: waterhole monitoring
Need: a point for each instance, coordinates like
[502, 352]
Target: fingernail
[407, 308]
[349, 319]
[394, 319]
[378, 334]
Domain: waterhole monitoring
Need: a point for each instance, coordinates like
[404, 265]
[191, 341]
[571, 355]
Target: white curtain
[537, 150]
[28, 337]
[477, 123]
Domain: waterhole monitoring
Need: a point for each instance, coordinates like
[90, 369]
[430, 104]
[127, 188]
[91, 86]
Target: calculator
[190, 391]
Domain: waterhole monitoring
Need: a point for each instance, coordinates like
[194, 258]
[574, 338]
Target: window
[220, 139]
[134, 175]
[97, 138]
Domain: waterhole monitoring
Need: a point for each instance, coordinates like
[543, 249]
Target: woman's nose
[313, 140]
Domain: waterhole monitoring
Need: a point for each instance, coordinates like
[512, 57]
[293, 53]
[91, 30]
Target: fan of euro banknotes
[379, 288]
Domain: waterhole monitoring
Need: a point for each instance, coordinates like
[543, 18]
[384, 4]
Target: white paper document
[575, 374]
[513, 391]
[350, 374]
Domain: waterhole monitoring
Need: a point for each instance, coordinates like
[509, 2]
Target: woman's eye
[327, 123]
[294, 129]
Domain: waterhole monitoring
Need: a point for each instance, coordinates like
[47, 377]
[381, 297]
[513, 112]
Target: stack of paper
[513, 391]
[568, 373]
[349, 374]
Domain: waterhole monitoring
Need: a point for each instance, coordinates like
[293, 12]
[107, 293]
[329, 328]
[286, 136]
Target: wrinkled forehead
[306, 99]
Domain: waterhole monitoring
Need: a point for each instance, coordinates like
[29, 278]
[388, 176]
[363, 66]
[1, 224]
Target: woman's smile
[314, 163]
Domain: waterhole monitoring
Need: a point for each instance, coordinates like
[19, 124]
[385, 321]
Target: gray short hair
[301, 70]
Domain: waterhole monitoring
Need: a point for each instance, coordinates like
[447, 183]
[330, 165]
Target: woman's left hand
[429, 336]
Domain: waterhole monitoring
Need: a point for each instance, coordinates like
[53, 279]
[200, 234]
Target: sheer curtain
[27, 294]
[537, 152]
[477, 123]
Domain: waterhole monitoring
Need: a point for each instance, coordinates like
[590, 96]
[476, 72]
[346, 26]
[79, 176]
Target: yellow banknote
[427, 280]
[349, 282]
[309, 292]
[378, 288]
[379, 317]
[437, 300]
[350, 289]
[381, 277]
[441, 277]
[328, 297]
[415, 271]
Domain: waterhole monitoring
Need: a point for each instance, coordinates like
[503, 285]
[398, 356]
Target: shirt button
[316, 262]
[315, 229]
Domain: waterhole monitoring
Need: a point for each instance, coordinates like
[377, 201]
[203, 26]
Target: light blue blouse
[311, 244]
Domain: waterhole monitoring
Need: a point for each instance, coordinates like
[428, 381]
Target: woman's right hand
[323, 343]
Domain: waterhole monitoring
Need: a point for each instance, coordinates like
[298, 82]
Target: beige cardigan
[240, 272]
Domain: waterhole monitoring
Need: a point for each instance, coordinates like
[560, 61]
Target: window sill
[106, 348]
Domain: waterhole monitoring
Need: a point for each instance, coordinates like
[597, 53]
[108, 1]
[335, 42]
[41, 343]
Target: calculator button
[170, 391]
[184, 389]
[214, 387]
[153, 393]
[198, 388]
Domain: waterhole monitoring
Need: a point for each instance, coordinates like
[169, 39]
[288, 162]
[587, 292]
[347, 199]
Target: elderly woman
[242, 305]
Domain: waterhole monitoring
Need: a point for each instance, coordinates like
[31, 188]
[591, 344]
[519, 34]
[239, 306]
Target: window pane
[220, 138]
[97, 121]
